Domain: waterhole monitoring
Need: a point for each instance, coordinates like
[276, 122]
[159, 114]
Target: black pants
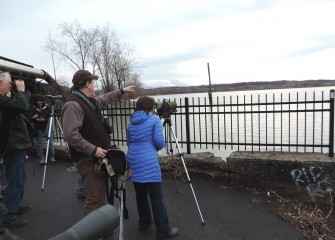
[154, 190]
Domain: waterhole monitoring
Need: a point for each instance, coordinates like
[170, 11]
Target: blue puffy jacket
[144, 138]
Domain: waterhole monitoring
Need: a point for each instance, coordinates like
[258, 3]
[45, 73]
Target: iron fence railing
[268, 122]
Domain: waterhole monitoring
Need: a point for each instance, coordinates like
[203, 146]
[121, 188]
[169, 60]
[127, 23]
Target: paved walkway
[228, 214]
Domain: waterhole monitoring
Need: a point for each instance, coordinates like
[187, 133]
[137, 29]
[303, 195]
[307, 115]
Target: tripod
[169, 130]
[50, 128]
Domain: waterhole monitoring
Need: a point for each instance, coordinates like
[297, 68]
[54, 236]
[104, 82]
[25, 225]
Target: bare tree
[49, 47]
[123, 62]
[98, 49]
[115, 62]
[74, 44]
[102, 54]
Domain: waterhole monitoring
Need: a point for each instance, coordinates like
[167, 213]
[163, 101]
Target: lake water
[271, 95]
[292, 91]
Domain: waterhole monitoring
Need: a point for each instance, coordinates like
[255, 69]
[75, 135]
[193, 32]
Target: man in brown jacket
[86, 133]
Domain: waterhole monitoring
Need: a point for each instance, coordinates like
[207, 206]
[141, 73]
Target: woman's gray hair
[5, 76]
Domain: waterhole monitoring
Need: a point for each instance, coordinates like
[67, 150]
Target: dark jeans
[16, 177]
[154, 190]
[80, 186]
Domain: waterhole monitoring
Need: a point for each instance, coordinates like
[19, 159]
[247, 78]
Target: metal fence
[284, 123]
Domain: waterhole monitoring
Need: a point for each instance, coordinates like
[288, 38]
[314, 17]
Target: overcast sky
[242, 40]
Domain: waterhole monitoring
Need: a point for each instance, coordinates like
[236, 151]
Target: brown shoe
[17, 222]
[24, 209]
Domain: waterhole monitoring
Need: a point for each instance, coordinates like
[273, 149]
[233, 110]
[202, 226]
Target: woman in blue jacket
[145, 138]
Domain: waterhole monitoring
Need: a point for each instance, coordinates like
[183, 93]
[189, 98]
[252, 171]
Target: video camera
[166, 108]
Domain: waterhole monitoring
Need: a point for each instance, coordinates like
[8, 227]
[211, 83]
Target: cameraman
[85, 132]
[14, 142]
[40, 117]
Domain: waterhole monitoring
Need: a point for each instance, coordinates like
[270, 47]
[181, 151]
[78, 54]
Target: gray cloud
[309, 50]
[173, 60]
[162, 67]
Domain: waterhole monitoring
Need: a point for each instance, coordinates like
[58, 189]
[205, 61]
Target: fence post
[331, 124]
[187, 120]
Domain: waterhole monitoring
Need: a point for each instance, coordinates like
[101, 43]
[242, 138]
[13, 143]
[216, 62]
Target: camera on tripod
[166, 108]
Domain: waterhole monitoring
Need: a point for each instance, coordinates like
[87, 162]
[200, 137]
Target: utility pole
[209, 85]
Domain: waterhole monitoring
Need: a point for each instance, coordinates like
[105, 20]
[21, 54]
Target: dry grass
[311, 220]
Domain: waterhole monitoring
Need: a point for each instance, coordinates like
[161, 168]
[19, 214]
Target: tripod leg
[62, 134]
[121, 212]
[168, 138]
[169, 148]
[172, 159]
[47, 150]
[188, 177]
[61, 131]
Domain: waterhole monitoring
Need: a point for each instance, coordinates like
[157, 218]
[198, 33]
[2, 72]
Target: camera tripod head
[167, 121]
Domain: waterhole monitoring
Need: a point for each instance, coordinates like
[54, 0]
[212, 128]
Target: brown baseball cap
[82, 76]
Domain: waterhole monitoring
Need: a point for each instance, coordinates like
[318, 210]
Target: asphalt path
[227, 214]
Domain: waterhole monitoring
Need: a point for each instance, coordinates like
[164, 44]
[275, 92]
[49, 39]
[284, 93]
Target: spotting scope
[94, 226]
[28, 73]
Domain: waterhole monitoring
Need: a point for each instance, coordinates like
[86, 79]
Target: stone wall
[305, 177]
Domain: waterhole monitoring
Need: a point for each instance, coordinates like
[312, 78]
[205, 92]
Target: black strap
[110, 192]
[113, 191]
[125, 210]
[90, 102]
[93, 103]
[83, 97]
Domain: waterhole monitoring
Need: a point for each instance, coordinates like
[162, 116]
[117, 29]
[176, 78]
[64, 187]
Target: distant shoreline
[244, 86]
